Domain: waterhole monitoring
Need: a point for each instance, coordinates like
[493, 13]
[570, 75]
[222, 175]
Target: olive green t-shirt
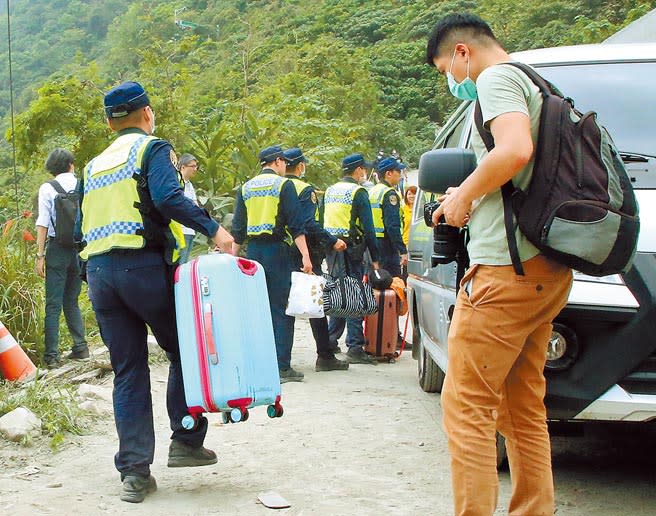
[501, 89]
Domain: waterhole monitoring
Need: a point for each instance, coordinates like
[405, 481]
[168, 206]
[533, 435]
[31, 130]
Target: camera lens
[447, 241]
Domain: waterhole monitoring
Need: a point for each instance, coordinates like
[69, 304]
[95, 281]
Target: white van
[602, 355]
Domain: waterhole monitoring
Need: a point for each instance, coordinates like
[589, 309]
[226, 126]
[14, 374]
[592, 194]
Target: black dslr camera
[439, 170]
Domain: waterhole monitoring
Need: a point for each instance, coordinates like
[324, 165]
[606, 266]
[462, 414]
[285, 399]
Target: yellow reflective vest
[261, 196]
[338, 205]
[301, 185]
[111, 218]
[376, 196]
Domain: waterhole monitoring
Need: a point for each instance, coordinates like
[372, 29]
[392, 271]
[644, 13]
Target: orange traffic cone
[14, 363]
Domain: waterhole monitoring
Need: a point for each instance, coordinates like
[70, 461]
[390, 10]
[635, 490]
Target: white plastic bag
[306, 296]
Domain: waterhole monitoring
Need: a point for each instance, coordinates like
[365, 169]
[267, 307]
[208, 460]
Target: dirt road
[362, 442]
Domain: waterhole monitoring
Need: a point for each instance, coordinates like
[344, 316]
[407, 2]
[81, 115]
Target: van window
[622, 94]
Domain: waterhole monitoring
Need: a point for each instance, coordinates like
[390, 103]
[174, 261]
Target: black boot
[330, 363]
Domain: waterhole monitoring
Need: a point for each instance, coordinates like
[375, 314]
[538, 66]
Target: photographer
[502, 321]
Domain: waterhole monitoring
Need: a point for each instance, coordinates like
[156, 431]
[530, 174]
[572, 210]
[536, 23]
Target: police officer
[386, 211]
[347, 215]
[132, 198]
[265, 208]
[318, 241]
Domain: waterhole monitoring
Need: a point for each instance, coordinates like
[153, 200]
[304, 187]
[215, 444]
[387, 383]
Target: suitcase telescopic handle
[209, 334]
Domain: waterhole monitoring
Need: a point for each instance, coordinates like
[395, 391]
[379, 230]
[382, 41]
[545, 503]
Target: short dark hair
[454, 26]
[59, 161]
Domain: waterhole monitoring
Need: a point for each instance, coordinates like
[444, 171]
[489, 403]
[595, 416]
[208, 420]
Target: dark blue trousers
[337, 265]
[276, 259]
[130, 290]
[390, 260]
[63, 286]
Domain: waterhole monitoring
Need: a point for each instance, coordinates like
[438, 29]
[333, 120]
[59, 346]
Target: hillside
[332, 76]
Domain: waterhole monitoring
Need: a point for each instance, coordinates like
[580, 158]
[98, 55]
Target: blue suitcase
[227, 348]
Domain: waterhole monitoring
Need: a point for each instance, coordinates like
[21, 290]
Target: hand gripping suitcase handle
[209, 334]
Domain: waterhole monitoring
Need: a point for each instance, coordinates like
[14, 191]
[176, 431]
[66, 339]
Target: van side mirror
[442, 168]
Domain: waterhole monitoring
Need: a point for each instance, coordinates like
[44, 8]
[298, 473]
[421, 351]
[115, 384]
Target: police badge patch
[174, 158]
[394, 199]
[313, 198]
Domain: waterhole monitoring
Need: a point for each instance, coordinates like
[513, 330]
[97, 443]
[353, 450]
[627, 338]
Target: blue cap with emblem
[125, 98]
[353, 161]
[294, 156]
[270, 154]
[389, 163]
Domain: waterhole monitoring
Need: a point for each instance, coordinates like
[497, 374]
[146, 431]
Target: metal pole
[11, 102]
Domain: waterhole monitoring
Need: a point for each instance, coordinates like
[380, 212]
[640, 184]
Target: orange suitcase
[382, 328]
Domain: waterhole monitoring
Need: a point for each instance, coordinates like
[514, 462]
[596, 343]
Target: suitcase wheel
[275, 411]
[225, 418]
[236, 415]
[188, 422]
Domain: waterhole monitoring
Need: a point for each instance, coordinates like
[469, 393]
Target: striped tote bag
[348, 297]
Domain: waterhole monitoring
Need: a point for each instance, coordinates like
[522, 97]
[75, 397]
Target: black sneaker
[182, 455]
[52, 363]
[136, 487]
[358, 356]
[78, 355]
[290, 375]
[330, 363]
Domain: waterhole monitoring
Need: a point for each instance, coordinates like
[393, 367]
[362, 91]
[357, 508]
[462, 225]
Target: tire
[431, 377]
[502, 454]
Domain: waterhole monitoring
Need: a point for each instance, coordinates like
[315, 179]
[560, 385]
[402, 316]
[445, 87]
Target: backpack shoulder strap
[57, 186]
[507, 191]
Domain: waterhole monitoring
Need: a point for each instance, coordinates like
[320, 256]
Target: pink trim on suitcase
[248, 267]
[200, 340]
[209, 334]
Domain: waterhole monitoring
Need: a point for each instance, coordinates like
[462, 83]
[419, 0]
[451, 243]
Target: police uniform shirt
[361, 210]
[289, 212]
[47, 194]
[165, 189]
[392, 219]
[316, 235]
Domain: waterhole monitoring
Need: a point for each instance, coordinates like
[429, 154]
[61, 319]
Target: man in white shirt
[188, 168]
[59, 265]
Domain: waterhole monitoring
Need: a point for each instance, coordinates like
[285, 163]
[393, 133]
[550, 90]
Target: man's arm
[168, 196]
[392, 221]
[293, 216]
[513, 149]
[239, 223]
[314, 230]
[362, 211]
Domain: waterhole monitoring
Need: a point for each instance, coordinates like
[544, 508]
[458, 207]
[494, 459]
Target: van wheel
[431, 377]
[502, 454]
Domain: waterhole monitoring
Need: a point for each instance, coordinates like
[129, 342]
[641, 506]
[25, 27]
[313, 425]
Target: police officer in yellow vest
[266, 209]
[386, 211]
[318, 241]
[132, 204]
[347, 215]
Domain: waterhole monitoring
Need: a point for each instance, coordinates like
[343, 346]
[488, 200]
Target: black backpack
[66, 206]
[579, 209]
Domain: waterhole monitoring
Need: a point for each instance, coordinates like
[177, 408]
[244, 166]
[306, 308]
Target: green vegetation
[51, 401]
[330, 76]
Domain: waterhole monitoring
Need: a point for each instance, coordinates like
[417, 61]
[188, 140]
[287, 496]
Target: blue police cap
[270, 154]
[389, 163]
[125, 98]
[294, 156]
[353, 161]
